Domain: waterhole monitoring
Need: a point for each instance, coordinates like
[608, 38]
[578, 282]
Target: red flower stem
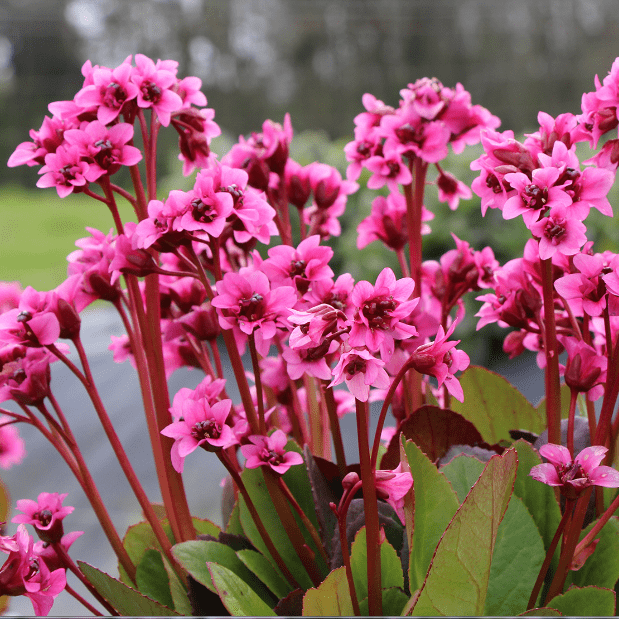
[266, 538]
[370, 505]
[217, 358]
[105, 184]
[402, 262]
[89, 384]
[140, 205]
[608, 333]
[233, 353]
[290, 525]
[383, 411]
[84, 603]
[91, 194]
[572, 534]
[597, 527]
[77, 465]
[176, 503]
[317, 438]
[553, 385]
[66, 560]
[297, 419]
[302, 229]
[341, 514]
[284, 209]
[125, 194]
[258, 382]
[160, 454]
[306, 521]
[151, 161]
[334, 422]
[610, 397]
[549, 555]
[570, 422]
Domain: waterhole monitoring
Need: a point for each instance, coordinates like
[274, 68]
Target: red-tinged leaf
[495, 406]
[585, 602]
[434, 430]
[457, 580]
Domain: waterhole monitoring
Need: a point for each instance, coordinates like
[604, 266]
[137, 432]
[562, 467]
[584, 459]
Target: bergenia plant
[466, 500]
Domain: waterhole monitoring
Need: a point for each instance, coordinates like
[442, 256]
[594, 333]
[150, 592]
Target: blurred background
[259, 59]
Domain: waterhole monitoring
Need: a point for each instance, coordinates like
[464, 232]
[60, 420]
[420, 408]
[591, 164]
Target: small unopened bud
[350, 480]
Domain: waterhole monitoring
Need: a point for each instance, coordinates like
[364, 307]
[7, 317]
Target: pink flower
[535, 196]
[25, 374]
[10, 293]
[441, 360]
[386, 223]
[393, 486]
[585, 370]
[45, 514]
[573, 476]
[195, 129]
[109, 90]
[12, 449]
[154, 83]
[381, 310]
[559, 233]
[105, 148]
[328, 186]
[202, 425]
[583, 289]
[299, 267]
[450, 190]
[392, 172]
[25, 573]
[66, 170]
[44, 141]
[361, 370]
[270, 451]
[245, 301]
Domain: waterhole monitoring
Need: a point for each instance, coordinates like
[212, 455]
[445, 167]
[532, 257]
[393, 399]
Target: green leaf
[331, 598]
[390, 564]
[256, 487]
[152, 578]
[261, 567]
[239, 599]
[140, 537]
[516, 561]
[586, 602]
[458, 577]
[435, 506]
[126, 600]
[495, 406]
[394, 601]
[194, 556]
[462, 472]
[537, 497]
[602, 567]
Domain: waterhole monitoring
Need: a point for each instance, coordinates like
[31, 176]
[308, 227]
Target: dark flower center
[534, 197]
[114, 96]
[206, 429]
[202, 212]
[378, 312]
[151, 92]
[354, 367]
[252, 308]
[44, 517]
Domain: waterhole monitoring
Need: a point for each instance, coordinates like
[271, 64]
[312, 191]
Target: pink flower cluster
[86, 141]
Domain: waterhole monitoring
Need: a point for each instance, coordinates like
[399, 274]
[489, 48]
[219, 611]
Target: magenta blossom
[381, 310]
[393, 486]
[574, 475]
[66, 170]
[558, 233]
[270, 451]
[12, 449]
[45, 514]
[361, 370]
[25, 573]
[202, 425]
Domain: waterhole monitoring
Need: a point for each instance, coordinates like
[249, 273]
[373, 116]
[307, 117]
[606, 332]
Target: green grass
[38, 230]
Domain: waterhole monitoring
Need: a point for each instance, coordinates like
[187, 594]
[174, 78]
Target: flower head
[45, 514]
[270, 451]
[573, 476]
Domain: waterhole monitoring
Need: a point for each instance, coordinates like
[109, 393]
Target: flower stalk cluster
[185, 273]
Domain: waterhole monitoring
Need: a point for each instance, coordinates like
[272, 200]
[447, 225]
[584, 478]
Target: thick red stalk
[370, 505]
[553, 385]
[571, 540]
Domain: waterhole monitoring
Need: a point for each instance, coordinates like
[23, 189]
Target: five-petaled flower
[270, 451]
[574, 475]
